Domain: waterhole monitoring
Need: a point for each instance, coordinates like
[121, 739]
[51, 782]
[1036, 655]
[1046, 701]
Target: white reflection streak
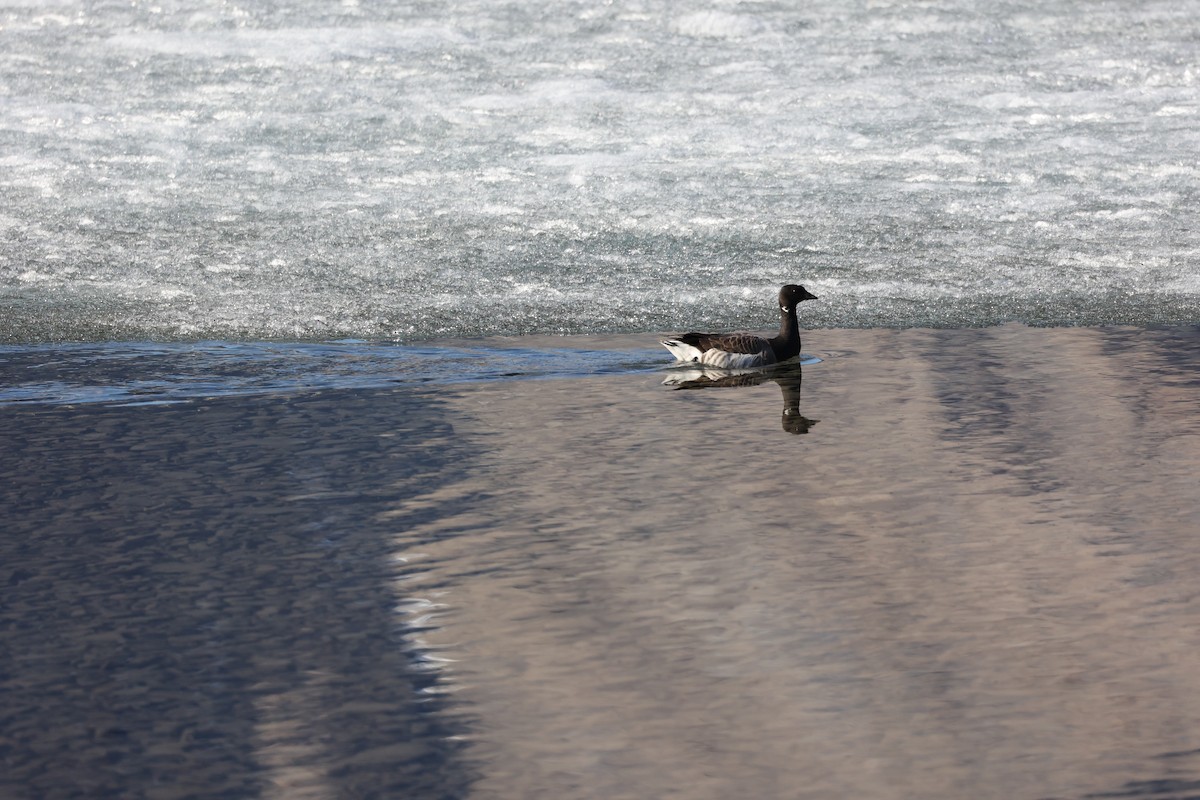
[418, 616]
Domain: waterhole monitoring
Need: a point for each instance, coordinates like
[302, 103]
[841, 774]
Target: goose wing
[748, 343]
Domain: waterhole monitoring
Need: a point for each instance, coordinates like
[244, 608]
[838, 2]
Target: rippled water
[968, 573]
[140, 372]
[304, 494]
[407, 172]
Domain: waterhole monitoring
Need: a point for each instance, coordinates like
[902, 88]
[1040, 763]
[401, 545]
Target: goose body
[746, 350]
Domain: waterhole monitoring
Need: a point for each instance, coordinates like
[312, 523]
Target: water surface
[967, 574]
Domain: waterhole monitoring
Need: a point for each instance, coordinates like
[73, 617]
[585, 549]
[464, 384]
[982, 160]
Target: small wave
[156, 374]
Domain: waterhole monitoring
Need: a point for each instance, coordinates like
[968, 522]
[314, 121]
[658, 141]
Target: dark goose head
[791, 295]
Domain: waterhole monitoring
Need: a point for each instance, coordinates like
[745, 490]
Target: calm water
[967, 573]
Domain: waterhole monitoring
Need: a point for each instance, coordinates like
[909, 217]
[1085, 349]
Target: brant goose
[740, 350]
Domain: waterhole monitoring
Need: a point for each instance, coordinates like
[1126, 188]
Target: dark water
[936, 564]
[199, 600]
[125, 373]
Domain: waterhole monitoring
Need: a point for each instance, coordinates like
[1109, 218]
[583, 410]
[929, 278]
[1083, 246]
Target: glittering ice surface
[408, 171]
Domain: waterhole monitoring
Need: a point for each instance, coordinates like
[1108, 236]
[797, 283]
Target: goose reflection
[788, 376]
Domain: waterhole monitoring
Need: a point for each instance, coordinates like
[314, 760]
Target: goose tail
[682, 350]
